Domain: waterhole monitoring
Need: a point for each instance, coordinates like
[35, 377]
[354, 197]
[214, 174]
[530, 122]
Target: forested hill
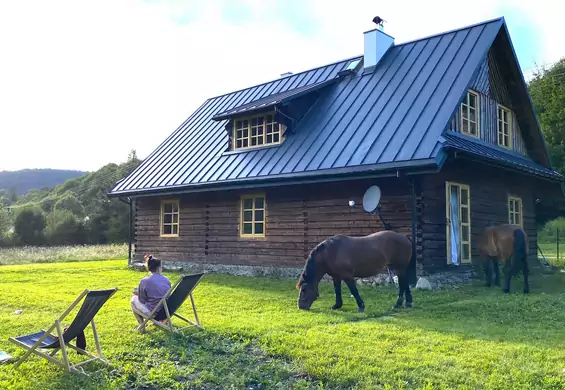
[75, 212]
[20, 182]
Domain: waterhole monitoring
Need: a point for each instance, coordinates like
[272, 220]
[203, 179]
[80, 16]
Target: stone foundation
[437, 280]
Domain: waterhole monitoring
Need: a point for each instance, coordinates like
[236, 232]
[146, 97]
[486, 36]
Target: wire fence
[551, 246]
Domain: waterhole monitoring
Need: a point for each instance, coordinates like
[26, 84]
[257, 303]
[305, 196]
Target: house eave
[456, 153]
[417, 167]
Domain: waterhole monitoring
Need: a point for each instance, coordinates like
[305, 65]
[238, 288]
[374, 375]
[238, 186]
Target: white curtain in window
[454, 211]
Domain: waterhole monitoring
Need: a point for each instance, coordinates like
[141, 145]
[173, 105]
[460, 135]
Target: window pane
[167, 218]
[465, 126]
[472, 100]
[466, 253]
[276, 137]
[473, 115]
[259, 203]
[175, 218]
[248, 216]
[473, 128]
[254, 122]
[247, 203]
[168, 208]
[465, 113]
[258, 228]
[464, 216]
[247, 228]
[259, 215]
[465, 233]
[269, 139]
[167, 229]
[464, 196]
[175, 229]
[511, 205]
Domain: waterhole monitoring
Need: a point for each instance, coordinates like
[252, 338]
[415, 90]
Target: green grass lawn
[255, 337]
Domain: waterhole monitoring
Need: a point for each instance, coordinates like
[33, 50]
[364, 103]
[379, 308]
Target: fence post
[557, 243]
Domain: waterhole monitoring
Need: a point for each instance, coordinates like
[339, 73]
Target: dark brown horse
[345, 258]
[509, 243]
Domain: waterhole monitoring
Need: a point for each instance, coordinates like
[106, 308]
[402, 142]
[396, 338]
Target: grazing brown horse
[509, 243]
[345, 258]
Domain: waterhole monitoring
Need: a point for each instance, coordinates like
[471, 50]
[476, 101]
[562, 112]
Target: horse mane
[309, 271]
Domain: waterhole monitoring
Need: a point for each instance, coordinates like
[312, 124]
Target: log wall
[297, 219]
[489, 190]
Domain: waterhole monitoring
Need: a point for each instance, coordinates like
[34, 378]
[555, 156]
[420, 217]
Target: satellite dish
[371, 199]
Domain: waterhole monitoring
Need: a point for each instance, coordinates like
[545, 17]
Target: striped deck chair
[39, 342]
[168, 305]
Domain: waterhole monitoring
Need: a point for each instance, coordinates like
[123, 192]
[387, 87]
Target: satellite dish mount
[371, 204]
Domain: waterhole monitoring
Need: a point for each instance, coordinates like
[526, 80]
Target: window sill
[169, 235]
[239, 151]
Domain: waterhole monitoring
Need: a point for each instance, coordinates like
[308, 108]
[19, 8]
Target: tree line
[75, 212]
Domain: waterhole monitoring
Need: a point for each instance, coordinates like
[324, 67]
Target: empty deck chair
[170, 303]
[61, 340]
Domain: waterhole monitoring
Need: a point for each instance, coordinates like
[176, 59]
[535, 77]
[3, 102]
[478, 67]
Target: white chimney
[376, 45]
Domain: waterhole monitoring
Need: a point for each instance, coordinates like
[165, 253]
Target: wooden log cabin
[443, 125]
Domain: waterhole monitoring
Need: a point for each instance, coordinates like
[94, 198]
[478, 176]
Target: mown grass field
[255, 337]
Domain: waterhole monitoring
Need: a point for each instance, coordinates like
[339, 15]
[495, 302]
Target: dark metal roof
[272, 100]
[501, 156]
[392, 116]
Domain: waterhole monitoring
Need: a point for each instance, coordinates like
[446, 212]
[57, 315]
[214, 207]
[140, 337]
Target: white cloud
[83, 83]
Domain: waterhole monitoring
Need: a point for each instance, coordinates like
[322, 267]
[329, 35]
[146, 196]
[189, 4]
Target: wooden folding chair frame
[170, 327]
[64, 362]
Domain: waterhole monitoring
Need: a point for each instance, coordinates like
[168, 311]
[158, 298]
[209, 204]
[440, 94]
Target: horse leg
[507, 275]
[408, 294]
[488, 272]
[525, 272]
[494, 262]
[353, 288]
[337, 289]
[402, 281]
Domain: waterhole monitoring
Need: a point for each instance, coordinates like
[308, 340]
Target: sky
[84, 82]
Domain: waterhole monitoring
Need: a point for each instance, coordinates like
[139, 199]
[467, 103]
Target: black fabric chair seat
[30, 339]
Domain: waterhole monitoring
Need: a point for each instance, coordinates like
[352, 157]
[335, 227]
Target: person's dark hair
[152, 263]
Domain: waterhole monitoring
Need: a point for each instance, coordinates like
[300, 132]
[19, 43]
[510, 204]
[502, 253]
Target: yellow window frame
[254, 209]
[462, 208]
[466, 107]
[249, 127]
[499, 121]
[173, 213]
[515, 210]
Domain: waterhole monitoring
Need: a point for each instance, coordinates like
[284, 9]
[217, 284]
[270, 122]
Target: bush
[29, 225]
[64, 228]
[548, 234]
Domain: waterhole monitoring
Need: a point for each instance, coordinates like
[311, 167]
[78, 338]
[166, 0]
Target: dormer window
[469, 114]
[258, 130]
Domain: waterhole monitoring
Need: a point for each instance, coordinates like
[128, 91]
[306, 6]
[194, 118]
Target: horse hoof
[506, 291]
[336, 307]
[526, 291]
[408, 305]
[360, 309]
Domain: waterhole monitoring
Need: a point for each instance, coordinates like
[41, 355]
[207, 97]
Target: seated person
[151, 289]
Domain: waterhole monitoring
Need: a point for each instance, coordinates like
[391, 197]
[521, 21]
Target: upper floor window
[515, 216]
[504, 127]
[259, 130]
[170, 211]
[469, 114]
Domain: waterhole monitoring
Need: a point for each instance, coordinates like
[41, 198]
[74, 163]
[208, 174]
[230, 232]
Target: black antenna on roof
[379, 21]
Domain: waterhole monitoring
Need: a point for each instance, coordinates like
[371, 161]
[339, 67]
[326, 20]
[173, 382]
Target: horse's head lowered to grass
[311, 275]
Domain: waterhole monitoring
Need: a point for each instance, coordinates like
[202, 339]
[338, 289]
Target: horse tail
[411, 270]
[520, 245]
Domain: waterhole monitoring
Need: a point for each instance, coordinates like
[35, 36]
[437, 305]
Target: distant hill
[24, 180]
